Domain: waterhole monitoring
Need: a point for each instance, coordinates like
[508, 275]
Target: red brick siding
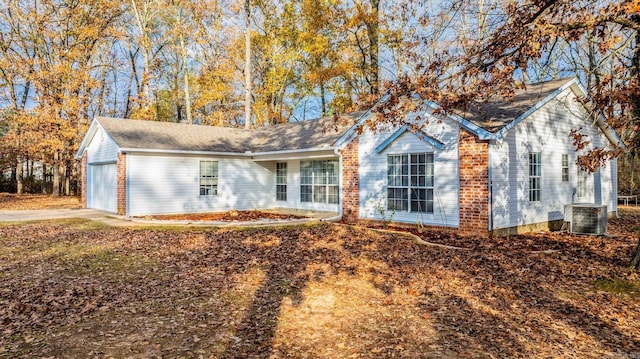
[83, 180]
[122, 184]
[350, 196]
[474, 185]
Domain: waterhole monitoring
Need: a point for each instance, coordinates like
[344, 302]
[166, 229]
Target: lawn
[79, 289]
[10, 201]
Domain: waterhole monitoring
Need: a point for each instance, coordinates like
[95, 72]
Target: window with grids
[281, 181]
[208, 178]
[535, 176]
[581, 190]
[319, 181]
[565, 168]
[410, 182]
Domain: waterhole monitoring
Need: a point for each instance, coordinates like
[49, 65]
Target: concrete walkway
[119, 221]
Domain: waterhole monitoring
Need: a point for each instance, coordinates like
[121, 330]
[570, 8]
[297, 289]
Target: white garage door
[103, 187]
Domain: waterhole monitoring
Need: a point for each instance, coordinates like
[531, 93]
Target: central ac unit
[586, 218]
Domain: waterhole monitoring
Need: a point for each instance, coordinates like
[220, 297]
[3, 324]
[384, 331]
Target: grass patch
[75, 223]
[619, 286]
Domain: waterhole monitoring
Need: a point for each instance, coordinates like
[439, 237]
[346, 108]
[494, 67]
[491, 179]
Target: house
[503, 167]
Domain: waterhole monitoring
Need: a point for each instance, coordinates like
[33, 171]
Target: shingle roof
[494, 115]
[152, 135]
[320, 133]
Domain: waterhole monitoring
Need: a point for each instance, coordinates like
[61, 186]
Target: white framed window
[581, 190]
[208, 178]
[281, 181]
[565, 168]
[535, 176]
[410, 179]
[319, 181]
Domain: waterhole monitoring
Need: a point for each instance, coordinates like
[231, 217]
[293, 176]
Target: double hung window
[281, 181]
[410, 180]
[535, 176]
[319, 181]
[565, 168]
[208, 178]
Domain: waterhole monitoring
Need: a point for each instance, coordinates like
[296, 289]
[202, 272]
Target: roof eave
[91, 132]
[184, 152]
[611, 134]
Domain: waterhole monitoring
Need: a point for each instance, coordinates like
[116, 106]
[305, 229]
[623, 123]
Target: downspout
[127, 187]
[337, 218]
[490, 185]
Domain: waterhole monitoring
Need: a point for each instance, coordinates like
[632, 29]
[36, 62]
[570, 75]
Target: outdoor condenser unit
[586, 218]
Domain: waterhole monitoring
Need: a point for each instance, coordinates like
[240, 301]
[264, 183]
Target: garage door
[103, 187]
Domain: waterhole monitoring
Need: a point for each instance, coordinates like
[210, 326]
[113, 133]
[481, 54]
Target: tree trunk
[634, 126]
[19, 177]
[44, 179]
[247, 64]
[183, 54]
[141, 21]
[373, 33]
[67, 179]
[635, 257]
[56, 174]
[324, 101]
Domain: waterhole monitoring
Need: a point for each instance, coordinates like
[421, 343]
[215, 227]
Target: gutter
[246, 154]
[490, 185]
[209, 153]
[340, 185]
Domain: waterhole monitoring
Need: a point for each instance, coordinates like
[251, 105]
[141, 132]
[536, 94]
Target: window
[581, 191]
[410, 182]
[281, 181]
[565, 168]
[535, 176]
[319, 181]
[208, 178]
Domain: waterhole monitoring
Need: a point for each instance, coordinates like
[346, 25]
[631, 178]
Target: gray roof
[152, 135]
[303, 135]
[494, 115]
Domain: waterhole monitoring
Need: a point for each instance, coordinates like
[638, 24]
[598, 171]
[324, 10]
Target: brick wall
[83, 180]
[122, 184]
[350, 196]
[474, 185]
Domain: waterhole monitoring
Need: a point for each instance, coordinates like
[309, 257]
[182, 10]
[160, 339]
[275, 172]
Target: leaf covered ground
[79, 289]
[230, 216]
[10, 201]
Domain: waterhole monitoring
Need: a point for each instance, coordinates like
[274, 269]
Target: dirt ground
[75, 288]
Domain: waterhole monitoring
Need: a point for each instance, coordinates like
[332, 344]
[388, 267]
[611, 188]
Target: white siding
[545, 131]
[293, 189]
[373, 174]
[170, 184]
[102, 149]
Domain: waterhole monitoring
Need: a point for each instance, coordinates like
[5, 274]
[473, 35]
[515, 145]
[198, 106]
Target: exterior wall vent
[586, 218]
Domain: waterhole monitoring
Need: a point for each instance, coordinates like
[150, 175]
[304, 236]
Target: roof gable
[492, 120]
[423, 136]
[494, 115]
